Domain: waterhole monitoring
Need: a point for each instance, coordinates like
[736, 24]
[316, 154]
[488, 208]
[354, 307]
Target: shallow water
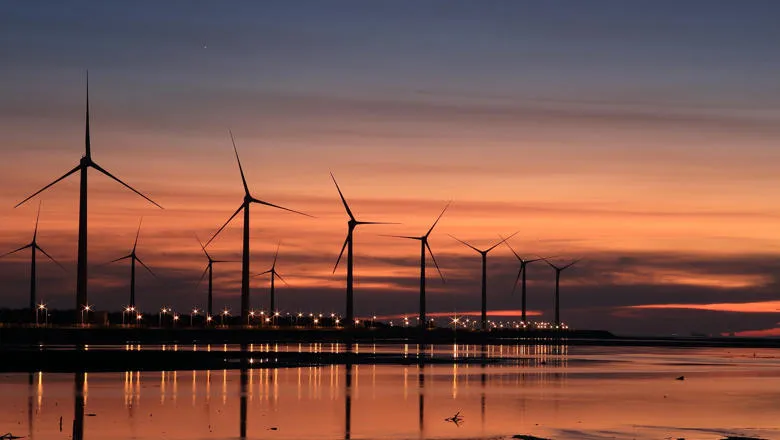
[548, 391]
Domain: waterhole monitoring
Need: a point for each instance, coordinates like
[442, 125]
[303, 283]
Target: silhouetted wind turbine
[351, 224]
[558, 270]
[274, 274]
[248, 200]
[423, 245]
[484, 253]
[523, 265]
[133, 258]
[210, 270]
[33, 246]
[85, 163]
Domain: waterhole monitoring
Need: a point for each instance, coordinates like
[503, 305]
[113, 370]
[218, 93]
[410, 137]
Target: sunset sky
[643, 137]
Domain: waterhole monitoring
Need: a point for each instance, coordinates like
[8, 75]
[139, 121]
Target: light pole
[87, 309]
[209, 319]
[163, 311]
[138, 318]
[175, 319]
[127, 311]
[249, 318]
[193, 313]
[224, 313]
[42, 308]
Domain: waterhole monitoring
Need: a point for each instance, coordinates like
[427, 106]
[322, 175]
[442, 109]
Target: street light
[209, 319]
[138, 318]
[175, 318]
[163, 311]
[249, 318]
[87, 309]
[224, 313]
[193, 313]
[126, 311]
[41, 307]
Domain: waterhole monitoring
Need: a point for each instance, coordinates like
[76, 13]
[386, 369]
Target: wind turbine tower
[33, 246]
[133, 259]
[484, 253]
[352, 223]
[85, 163]
[558, 270]
[248, 200]
[423, 239]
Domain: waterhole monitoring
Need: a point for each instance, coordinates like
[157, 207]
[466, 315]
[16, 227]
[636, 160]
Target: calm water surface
[548, 391]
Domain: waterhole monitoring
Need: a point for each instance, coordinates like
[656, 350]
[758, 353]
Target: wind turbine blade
[99, 168]
[519, 272]
[438, 218]
[571, 264]
[511, 249]
[202, 276]
[78, 167]
[281, 278]
[202, 247]
[145, 266]
[254, 200]
[276, 254]
[50, 257]
[262, 273]
[225, 261]
[401, 236]
[37, 217]
[346, 240]
[88, 153]
[551, 265]
[223, 226]
[463, 242]
[16, 250]
[434, 261]
[503, 240]
[119, 259]
[343, 200]
[240, 168]
[135, 243]
[376, 223]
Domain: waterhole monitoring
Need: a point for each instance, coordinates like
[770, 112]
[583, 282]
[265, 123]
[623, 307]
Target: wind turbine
[33, 246]
[274, 274]
[558, 270]
[248, 200]
[85, 163]
[423, 245]
[352, 223]
[523, 265]
[210, 270]
[133, 258]
[484, 253]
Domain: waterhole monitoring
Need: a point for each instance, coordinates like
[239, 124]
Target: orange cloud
[749, 307]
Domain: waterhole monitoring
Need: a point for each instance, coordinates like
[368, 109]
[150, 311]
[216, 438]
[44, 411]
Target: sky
[639, 136]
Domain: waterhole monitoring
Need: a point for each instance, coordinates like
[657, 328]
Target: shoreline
[69, 349]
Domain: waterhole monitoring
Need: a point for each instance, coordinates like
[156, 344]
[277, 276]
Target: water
[548, 391]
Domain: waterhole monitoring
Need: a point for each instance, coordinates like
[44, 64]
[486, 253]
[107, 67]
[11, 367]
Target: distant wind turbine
[522, 272]
[484, 253]
[274, 274]
[423, 246]
[351, 225]
[248, 200]
[558, 270]
[33, 246]
[133, 259]
[210, 270]
[85, 163]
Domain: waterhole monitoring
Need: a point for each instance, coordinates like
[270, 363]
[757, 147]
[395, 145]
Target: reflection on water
[548, 391]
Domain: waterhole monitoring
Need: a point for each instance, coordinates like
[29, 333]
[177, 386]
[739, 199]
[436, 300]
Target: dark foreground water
[547, 391]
